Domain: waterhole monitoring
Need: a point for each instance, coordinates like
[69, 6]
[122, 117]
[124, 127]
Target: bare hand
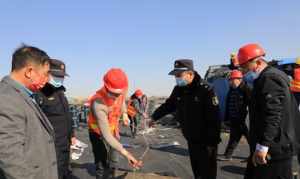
[133, 162]
[73, 140]
[151, 123]
[126, 120]
[145, 115]
[259, 158]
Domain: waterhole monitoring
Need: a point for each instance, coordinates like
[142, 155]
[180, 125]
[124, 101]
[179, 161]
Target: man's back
[26, 142]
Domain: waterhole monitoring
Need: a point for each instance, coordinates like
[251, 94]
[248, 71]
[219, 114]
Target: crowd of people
[37, 123]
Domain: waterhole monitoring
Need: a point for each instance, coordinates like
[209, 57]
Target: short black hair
[25, 54]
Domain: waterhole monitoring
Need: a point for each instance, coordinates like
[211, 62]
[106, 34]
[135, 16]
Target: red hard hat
[138, 93]
[249, 52]
[236, 74]
[295, 83]
[115, 80]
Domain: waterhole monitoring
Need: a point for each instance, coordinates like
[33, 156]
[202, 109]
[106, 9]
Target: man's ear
[28, 71]
[190, 75]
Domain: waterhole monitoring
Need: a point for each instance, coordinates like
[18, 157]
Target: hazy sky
[144, 37]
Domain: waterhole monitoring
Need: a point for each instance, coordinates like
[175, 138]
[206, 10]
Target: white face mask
[56, 81]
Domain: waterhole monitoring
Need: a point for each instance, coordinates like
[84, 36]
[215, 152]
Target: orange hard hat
[236, 74]
[116, 81]
[138, 93]
[295, 83]
[249, 52]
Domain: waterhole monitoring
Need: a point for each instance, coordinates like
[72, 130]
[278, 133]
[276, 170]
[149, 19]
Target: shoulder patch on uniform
[215, 100]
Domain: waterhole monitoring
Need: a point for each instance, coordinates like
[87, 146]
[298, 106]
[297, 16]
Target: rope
[147, 147]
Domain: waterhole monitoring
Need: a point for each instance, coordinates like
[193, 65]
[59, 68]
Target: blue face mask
[111, 96]
[181, 82]
[250, 76]
[56, 81]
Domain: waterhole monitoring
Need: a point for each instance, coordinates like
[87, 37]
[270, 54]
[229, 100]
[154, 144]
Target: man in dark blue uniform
[197, 110]
[54, 104]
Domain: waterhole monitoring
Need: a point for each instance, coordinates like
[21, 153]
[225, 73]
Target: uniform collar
[197, 79]
[263, 71]
[49, 89]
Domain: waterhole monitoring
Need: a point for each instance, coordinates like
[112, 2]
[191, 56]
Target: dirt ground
[170, 161]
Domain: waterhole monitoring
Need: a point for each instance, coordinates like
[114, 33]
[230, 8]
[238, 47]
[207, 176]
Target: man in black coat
[197, 110]
[54, 104]
[272, 114]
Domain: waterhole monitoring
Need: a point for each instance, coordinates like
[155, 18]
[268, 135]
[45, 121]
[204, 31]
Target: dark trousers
[237, 130]
[133, 126]
[281, 169]
[203, 160]
[106, 158]
[63, 161]
[298, 157]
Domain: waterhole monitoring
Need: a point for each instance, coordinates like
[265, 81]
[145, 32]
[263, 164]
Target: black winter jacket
[197, 111]
[240, 104]
[272, 114]
[55, 105]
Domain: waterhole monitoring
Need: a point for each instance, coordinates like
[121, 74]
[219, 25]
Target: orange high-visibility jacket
[131, 111]
[114, 112]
